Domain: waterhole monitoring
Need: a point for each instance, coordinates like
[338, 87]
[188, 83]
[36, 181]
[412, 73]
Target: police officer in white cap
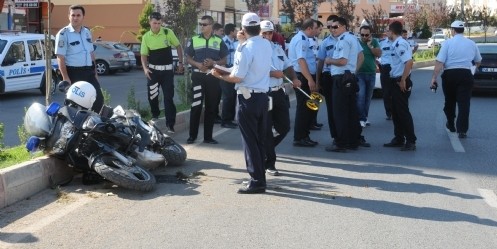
[279, 115]
[250, 73]
[456, 57]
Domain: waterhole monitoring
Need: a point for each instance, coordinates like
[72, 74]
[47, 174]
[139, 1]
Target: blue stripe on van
[24, 75]
[37, 69]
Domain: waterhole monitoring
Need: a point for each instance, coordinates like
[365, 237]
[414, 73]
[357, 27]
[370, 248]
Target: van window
[35, 52]
[2, 45]
[54, 56]
[16, 52]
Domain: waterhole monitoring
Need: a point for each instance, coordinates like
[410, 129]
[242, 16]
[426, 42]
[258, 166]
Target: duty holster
[349, 82]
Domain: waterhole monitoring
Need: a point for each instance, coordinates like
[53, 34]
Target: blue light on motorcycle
[32, 144]
[53, 108]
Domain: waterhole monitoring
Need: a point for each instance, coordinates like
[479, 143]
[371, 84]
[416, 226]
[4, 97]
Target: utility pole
[462, 10]
[314, 9]
[48, 58]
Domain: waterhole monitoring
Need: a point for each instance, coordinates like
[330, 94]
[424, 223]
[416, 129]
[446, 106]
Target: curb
[29, 178]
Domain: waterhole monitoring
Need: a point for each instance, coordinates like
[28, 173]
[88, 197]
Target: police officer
[203, 52]
[323, 77]
[455, 57]
[228, 89]
[343, 65]
[251, 73]
[385, 61]
[157, 62]
[412, 43]
[278, 116]
[401, 85]
[75, 53]
[304, 62]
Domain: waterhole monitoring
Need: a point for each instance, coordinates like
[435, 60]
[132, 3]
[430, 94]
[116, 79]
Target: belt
[276, 88]
[251, 91]
[80, 68]
[161, 67]
[198, 70]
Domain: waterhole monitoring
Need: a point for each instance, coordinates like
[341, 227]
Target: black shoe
[408, 146]
[170, 129]
[303, 143]
[335, 148]
[318, 125]
[210, 141]
[272, 171]
[462, 135]
[191, 140]
[450, 126]
[394, 143]
[389, 117]
[308, 139]
[251, 188]
[363, 143]
[229, 125]
[314, 128]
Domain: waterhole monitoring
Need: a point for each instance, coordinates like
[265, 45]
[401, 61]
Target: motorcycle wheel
[174, 153]
[134, 177]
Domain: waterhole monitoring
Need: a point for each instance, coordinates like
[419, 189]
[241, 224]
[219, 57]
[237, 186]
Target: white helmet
[82, 93]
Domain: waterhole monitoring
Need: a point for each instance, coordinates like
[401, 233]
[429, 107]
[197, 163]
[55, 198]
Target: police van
[23, 62]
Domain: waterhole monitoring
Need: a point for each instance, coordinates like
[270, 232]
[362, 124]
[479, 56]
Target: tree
[470, 14]
[437, 15]
[414, 17]
[299, 10]
[345, 9]
[143, 20]
[376, 19]
[486, 17]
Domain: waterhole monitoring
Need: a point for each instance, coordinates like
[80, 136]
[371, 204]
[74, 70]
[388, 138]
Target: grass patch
[15, 155]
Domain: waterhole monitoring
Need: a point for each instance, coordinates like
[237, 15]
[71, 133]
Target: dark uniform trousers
[279, 118]
[345, 113]
[229, 101]
[252, 121]
[401, 116]
[303, 115]
[165, 80]
[457, 85]
[87, 74]
[326, 85]
[386, 88]
[205, 87]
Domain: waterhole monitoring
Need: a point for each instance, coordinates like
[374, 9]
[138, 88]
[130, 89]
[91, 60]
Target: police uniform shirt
[231, 44]
[157, 46]
[347, 47]
[279, 61]
[313, 42]
[458, 52]
[386, 53]
[75, 47]
[253, 63]
[412, 43]
[401, 53]
[200, 48]
[301, 48]
[326, 50]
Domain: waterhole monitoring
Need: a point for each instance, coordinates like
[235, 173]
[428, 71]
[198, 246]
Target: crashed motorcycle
[151, 136]
[87, 141]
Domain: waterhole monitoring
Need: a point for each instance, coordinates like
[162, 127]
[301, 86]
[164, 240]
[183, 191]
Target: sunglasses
[333, 27]
[203, 24]
[364, 35]
[157, 17]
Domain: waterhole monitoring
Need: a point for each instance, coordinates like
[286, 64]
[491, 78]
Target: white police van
[22, 58]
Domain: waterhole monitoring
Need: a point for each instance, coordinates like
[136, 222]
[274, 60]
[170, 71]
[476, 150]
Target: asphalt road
[440, 196]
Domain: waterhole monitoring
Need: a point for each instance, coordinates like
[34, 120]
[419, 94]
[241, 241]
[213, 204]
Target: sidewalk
[27, 179]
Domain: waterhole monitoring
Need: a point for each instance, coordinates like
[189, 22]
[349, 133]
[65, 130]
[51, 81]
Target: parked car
[135, 47]
[131, 54]
[110, 59]
[22, 58]
[436, 40]
[486, 75]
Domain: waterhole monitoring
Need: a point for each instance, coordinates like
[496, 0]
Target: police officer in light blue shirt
[323, 77]
[401, 85]
[250, 72]
[456, 57]
[343, 66]
[228, 89]
[303, 60]
[385, 61]
[75, 53]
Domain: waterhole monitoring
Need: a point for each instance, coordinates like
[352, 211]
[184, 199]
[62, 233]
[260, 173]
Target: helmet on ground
[82, 93]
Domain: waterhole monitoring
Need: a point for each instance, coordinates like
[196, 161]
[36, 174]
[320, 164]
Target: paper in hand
[222, 70]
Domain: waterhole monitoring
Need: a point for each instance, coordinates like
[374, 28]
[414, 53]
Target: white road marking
[454, 140]
[32, 228]
[489, 197]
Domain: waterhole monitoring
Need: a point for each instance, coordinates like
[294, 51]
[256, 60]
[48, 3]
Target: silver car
[109, 59]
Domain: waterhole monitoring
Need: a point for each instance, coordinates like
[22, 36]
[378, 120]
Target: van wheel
[102, 67]
[43, 86]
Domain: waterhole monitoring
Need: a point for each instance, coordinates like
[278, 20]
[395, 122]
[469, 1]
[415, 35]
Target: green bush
[106, 97]
[135, 105]
[184, 90]
[1, 135]
[22, 132]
